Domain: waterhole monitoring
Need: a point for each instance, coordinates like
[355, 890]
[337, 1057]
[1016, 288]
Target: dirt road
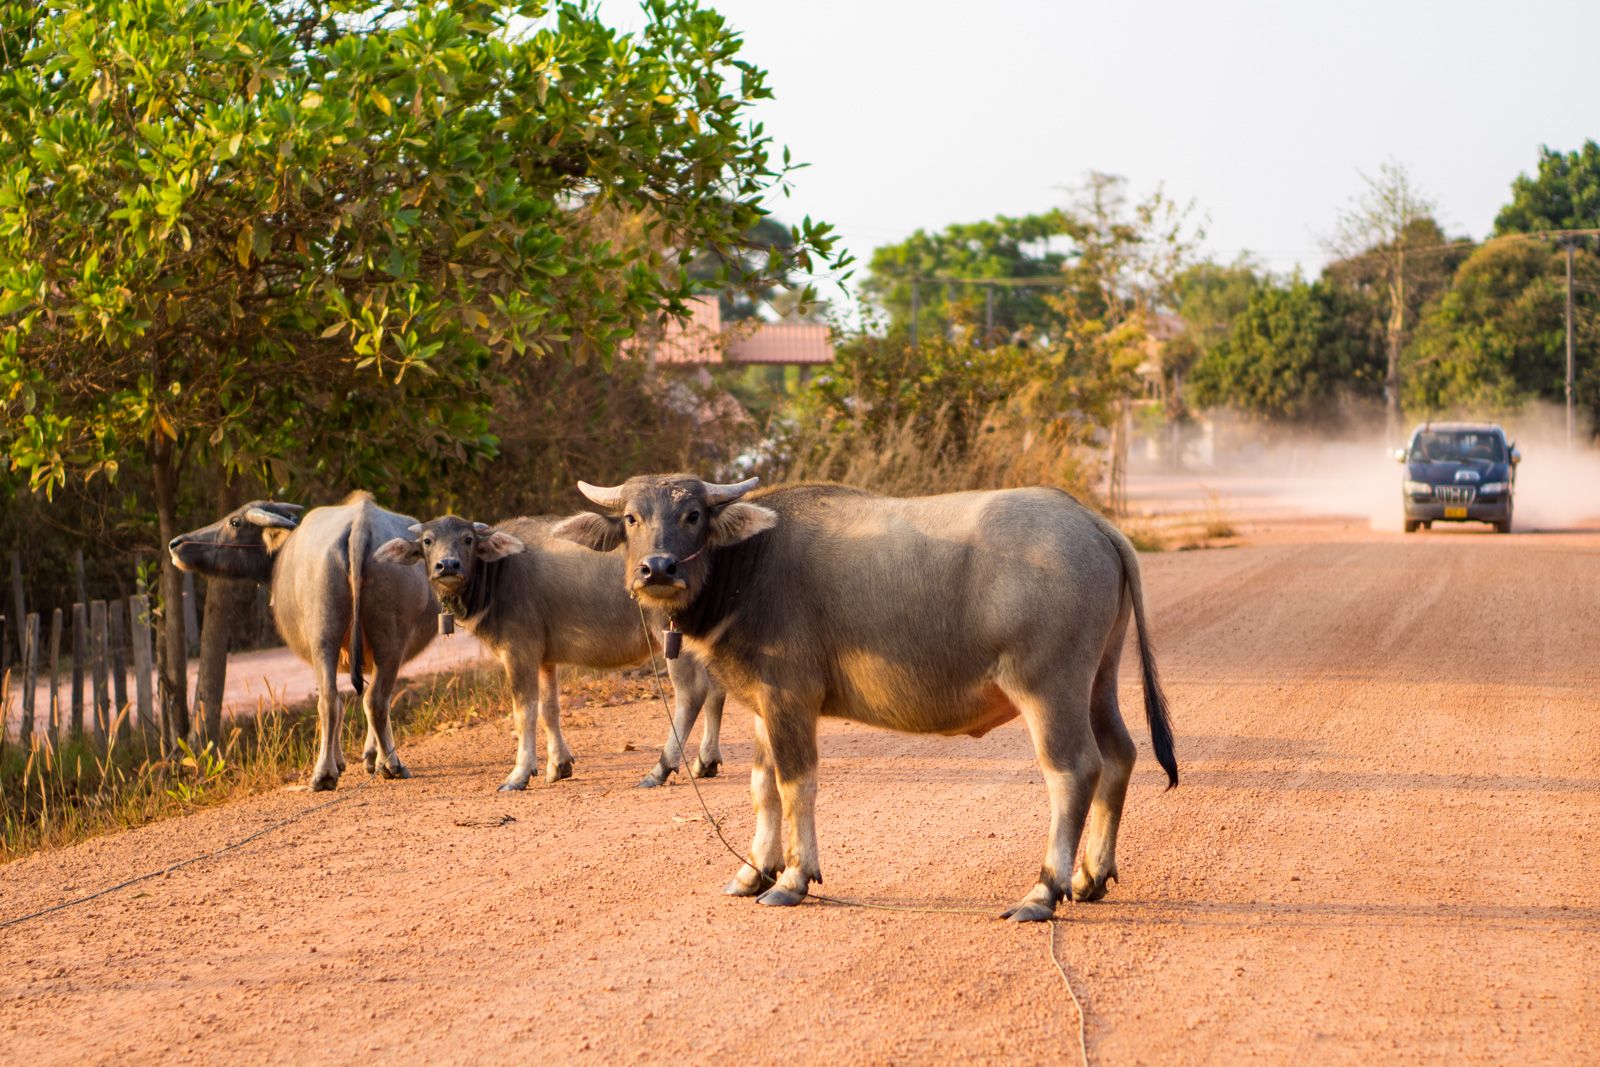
[1386, 847]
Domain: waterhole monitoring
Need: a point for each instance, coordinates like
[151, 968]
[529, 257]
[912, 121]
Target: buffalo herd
[947, 614]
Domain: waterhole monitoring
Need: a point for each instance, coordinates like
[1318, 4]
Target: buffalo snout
[659, 569]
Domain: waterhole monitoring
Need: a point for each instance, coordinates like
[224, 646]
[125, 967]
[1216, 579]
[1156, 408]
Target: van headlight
[1418, 488]
[1494, 488]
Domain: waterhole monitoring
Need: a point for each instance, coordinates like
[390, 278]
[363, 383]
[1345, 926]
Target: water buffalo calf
[538, 601]
[334, 603]
[944, 614]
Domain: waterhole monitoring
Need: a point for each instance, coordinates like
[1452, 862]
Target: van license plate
[1455, 513]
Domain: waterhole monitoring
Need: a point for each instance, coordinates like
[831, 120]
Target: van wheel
[1503, 527]
[1411, 525]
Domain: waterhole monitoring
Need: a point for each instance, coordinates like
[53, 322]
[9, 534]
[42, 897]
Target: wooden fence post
[17, 599]
[5, 665]
[101, 676]
[55, 675]
[30, 675]
[80, 653]
[119, 668]
[139, 629]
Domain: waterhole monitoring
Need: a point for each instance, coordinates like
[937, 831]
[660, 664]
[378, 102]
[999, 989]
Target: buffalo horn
[723, 494]
[263, 517]
[602, 496]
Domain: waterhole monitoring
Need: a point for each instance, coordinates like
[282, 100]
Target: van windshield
[1432, 446]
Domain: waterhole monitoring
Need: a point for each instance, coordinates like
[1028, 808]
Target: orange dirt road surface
[1385, 848]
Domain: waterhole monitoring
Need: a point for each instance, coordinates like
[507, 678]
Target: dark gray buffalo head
[241, 544]
[669, 524]
[450, 550]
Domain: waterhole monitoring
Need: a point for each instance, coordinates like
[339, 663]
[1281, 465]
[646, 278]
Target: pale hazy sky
[920, 115]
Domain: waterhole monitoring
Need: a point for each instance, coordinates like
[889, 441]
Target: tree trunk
[222, 598]
[213, 680]
[175, 663]
[1397, 326]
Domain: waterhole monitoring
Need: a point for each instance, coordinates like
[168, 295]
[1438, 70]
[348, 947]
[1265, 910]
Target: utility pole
[1569, 242]
[916, 307]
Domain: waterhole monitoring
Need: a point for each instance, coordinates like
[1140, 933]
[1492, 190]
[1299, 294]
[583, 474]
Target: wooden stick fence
[83, 690]
[108, 637]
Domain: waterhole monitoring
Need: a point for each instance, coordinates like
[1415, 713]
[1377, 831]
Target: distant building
[703, 340]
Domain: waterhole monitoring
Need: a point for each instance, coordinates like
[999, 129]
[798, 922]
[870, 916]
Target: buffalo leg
[325, 775]
[525, 712]
[689, 682]
[709, 762]
[1058, 721]
[557, 756]
[1117, 753]
[765, 860]
[380, 691]
[792, 735]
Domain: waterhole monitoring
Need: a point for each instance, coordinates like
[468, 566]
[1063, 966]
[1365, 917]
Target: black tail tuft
[1155, 713]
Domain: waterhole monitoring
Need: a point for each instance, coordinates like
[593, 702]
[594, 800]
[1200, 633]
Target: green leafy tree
[1563, 194]
[1496, 340]
[300, 239]
[1291, 357]
[1210, 298]
[1001, 248]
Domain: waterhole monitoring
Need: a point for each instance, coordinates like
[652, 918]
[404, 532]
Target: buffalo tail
[359, 536]
[1155, 701]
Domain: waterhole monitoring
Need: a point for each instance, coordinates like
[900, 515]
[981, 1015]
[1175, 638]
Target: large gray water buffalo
[325, 579]
[537, 602]
[945, 615]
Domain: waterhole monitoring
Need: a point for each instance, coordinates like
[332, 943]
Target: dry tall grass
[914, 458]
[55, 795]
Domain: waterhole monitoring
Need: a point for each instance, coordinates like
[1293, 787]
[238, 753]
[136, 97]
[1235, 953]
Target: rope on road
[843, 902]
[280, 824]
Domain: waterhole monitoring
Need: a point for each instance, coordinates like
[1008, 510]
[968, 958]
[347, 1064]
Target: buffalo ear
[400, 550]
[274, 537]
[737, 522]
[497, 544]
[599, 532]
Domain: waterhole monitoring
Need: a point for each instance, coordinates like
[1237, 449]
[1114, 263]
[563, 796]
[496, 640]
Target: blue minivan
[1458, 472]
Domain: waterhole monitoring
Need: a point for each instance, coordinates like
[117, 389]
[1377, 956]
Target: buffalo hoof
[705, 770]
[340, 762]
[557, 771]
[1030, 911]
[323, 783]
[658, 776]
[371, 759]
[394, 770]
[1086, 889]
[780, 898]
[749, 882]
[514, 785]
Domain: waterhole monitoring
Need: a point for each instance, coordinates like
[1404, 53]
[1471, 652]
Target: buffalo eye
[234, 523]
[631, 520]
[427, 542]
[692, 518]
[467, 540]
